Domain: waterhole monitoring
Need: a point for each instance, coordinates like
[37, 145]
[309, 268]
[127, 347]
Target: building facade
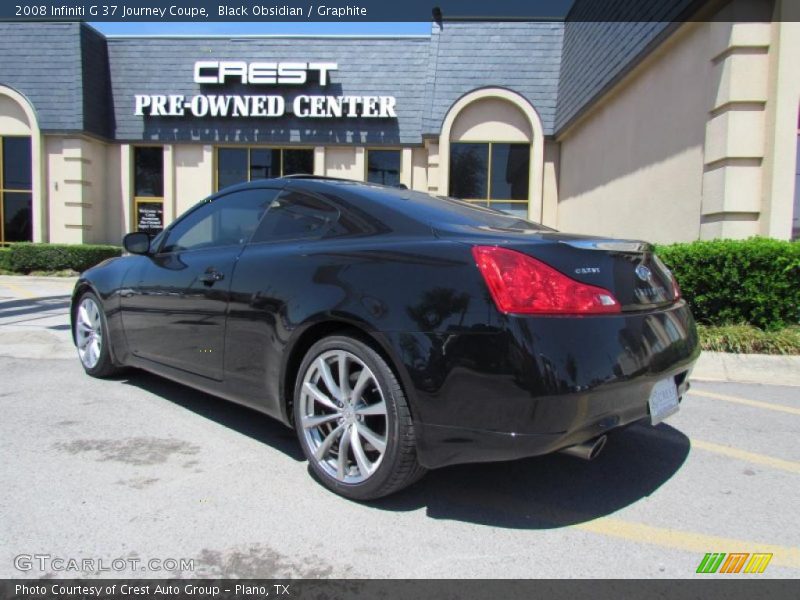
[656, 130]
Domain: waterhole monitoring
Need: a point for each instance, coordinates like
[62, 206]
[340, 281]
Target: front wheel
[91, 337]
[353, 421]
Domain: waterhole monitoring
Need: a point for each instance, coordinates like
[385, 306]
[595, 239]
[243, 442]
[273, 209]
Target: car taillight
[521, 284]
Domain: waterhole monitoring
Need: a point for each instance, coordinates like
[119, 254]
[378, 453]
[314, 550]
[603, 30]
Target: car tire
[91, 337]
[371, 416]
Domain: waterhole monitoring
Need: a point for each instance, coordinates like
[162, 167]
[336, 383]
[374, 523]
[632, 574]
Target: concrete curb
[748, 368]
[37, 279]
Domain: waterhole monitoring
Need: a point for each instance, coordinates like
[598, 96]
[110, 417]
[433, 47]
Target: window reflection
[494, 174]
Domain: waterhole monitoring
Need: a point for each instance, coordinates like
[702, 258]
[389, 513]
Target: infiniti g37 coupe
[394, 330]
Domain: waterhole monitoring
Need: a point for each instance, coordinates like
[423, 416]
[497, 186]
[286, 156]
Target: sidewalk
[748, 368]
[34, 317]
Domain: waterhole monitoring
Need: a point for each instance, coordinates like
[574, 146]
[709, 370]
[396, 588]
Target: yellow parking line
[747, 402]
[753, 457]
[689, 541]
[759, 459]
[18, 289]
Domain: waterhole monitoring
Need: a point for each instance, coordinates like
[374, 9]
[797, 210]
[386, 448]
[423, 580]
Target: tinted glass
[510, 169]
[295, 216]
[227, 221]
[469, 165]
[16, 163]
[17, 217]
[148, 177]
[298, 162]
[443, 210]
[383, 166]
[231, 166]
[264, 164]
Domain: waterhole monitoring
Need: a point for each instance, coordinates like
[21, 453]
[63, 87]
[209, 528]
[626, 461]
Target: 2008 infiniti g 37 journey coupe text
[394, 330]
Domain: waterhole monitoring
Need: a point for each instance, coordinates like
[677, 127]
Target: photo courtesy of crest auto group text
[372, 300]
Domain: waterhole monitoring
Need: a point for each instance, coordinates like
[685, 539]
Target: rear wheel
[91, 337]
[352, 418]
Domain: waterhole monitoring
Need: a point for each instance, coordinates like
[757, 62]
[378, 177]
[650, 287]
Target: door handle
[211, 276]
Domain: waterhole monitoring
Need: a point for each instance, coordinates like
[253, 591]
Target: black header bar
[201, 11]
[732, 588]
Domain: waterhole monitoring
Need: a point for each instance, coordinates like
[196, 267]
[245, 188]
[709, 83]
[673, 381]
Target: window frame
[368, 149]
[249, 149]
[145, 199]
[488, 201]
[205, 202]
[4, 191]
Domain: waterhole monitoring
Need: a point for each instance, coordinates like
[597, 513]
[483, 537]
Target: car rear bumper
[540, 384]
[441, 445]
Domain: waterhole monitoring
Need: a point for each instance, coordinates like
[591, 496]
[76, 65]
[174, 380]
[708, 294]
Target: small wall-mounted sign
[149, 216]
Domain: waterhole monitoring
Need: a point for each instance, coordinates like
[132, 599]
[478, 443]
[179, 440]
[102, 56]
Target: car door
[270, 289]
[174, 307]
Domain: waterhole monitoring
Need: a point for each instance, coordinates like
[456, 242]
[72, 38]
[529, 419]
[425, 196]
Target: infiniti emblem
[644, 273]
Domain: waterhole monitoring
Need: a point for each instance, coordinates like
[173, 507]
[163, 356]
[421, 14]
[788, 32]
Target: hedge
[746, 339]
[24, 258]
[5, 265]
[727, 282]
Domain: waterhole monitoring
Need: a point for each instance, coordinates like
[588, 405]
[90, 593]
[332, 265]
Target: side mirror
[137, 242]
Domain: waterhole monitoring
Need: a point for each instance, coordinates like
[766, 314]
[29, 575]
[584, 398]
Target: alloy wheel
[343, 416]
[89, 333]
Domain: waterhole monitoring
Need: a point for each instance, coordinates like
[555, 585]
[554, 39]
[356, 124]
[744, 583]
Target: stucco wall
[76, 190]
[634, 166]
[194, 175]
[419, 169]
[552, 156]
[344, 161]
[491, 119]
[116, 212]
[12, 118]
[698, 141]
[780, 162]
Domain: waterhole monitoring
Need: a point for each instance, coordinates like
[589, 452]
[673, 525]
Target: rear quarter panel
[384, 286]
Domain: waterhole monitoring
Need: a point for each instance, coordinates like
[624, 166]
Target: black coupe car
[394, 330]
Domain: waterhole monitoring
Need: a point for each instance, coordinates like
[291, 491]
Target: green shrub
[5, 264]
[24, 258]
[747, 339]
[755, 281]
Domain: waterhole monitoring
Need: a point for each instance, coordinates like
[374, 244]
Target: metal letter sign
[220, 72]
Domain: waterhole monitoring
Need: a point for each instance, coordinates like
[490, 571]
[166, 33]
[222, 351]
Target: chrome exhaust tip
[587, 450]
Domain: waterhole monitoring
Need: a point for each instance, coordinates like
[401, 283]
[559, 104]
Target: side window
[227, 221]
[293, 216]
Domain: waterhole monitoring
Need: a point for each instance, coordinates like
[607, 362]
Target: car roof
[425, 209]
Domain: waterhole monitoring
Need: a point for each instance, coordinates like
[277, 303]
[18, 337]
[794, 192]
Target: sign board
[150, 216]
[212, 72]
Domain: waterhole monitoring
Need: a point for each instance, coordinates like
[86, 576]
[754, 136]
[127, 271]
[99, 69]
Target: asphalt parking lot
[139, 467]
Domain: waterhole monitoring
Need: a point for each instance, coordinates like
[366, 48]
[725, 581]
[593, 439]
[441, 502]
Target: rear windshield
[441, 210]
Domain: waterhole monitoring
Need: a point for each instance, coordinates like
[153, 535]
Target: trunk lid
[628, 269]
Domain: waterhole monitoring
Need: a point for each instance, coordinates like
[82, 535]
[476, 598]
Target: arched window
[491, 152]
[16, 173]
